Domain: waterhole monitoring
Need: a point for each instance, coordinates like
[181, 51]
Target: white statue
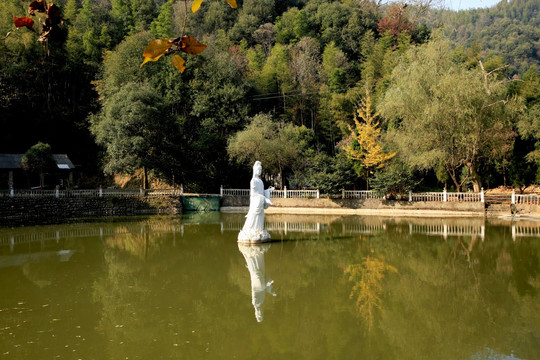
[254, 255]
[259, 199]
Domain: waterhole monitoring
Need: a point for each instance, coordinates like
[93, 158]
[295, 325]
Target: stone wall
[356, 205]
[24, 211]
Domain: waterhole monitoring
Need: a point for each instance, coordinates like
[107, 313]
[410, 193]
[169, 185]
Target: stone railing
[360, 194]
[89, 193]
[364, 194]
[529, 199]
[444, 196]
[447, 196]
[282, 194]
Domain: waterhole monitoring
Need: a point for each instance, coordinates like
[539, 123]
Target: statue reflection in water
[260, 285]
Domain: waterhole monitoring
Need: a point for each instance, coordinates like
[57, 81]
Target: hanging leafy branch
[48, 26]
[184, 43]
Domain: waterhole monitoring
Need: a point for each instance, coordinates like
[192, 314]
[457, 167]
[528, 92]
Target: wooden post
[10, 180]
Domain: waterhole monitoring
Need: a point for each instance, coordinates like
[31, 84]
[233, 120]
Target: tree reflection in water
[368, 278]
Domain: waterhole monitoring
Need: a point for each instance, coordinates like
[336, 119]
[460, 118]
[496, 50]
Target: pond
[325, 288]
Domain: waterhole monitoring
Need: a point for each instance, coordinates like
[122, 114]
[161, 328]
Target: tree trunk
[456, 182]
[475, 179]
[367, 179]
[145, 178]
[280, 178]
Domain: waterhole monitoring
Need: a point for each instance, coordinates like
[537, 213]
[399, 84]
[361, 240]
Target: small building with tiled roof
[12, 174]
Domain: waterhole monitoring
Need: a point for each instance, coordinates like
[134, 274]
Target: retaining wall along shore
[360, 206]
[23, 211]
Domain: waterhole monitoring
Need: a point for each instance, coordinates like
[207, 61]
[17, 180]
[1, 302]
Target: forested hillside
[511, 30]
[327, 94]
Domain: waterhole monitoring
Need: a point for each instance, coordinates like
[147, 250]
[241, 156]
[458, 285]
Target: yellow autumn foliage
[367, 278]
[366, 133]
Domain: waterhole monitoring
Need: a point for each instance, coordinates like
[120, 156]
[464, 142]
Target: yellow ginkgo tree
[184, 43]
[363, 145]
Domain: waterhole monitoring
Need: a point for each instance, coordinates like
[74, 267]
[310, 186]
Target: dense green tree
[252, 14]
[394, 180]
[38, 159]
[122, 65]
[162, 26]
[529, 123]
[444, 113]
[306, 71]
[327, 19]
[329, 174]
[136, 131]
[333, 59]
[273, 143]
[361, 21]
[89, 34]
[133, 16]
[285, 33]
[275, 76]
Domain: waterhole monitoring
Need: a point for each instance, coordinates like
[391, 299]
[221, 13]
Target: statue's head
[257, 168]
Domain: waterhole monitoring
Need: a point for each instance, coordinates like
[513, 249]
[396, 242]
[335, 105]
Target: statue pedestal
[252, 236]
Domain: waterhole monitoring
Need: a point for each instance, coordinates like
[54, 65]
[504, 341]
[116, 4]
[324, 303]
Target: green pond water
[324, 288]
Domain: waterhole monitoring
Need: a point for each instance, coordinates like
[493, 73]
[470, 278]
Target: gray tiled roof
[10, 161]
[13, 161]
[63, 162]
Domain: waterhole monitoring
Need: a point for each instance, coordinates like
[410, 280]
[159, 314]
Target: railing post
[284, 192]
[445, 195]
[410, 195]
[482, 195]
[11, 192]
[343, 193]
[181, 189]
[57, 193]
[100, 191]
[513, 197]
[141, 191]
[221, 191]
[318, 194]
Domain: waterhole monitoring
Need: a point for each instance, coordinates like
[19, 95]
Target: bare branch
[7, 35]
